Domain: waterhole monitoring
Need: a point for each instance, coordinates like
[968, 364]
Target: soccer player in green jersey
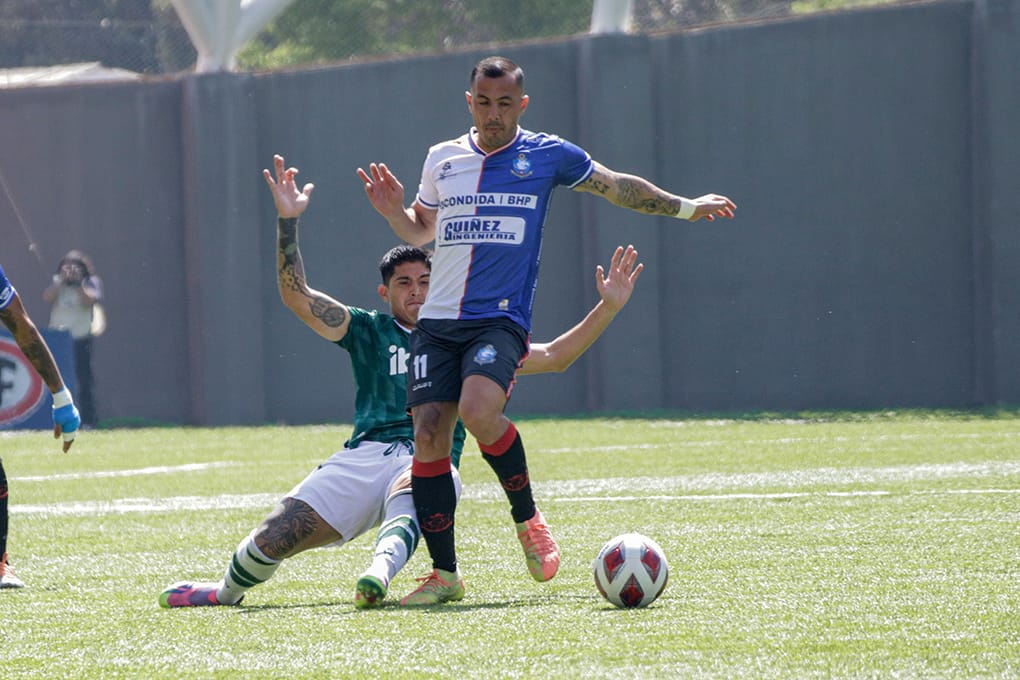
[368, 482]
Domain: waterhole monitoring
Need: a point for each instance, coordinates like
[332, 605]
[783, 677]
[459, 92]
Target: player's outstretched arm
[615, 288]
[415, 225]
[289, 201]
[638, 194]
[320, 312]
[66, 420]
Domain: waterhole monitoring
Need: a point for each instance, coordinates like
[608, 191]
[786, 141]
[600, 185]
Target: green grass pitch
[832, 545]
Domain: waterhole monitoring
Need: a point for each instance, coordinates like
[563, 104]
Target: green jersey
[379, 351]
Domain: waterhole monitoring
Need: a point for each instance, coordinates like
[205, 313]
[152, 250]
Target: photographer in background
[74, 298]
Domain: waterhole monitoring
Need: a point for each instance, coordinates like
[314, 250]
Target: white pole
[611, 16]
[219, 28]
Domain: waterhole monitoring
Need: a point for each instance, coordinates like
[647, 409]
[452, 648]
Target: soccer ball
[631, 570]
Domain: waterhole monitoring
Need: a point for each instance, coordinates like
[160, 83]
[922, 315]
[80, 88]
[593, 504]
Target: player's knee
[487, 428]
[431, 441]
[485, 424]
[481, 407]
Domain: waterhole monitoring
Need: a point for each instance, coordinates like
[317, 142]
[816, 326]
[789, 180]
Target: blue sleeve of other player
[7, 291]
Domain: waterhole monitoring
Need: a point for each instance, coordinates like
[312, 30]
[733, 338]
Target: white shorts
[351, 489]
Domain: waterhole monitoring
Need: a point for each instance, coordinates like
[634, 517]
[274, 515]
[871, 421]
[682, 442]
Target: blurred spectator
[74, 297]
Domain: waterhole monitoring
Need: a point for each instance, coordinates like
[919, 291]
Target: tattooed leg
[291, 528]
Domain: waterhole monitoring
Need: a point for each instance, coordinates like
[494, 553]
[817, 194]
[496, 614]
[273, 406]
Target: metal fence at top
[147, 36]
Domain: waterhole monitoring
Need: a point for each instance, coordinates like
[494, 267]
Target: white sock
[248, 568]
[397, 538]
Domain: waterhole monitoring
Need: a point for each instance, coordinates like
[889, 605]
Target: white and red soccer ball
[631, 570]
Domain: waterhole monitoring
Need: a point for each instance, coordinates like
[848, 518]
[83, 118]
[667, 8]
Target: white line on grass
[777, 496]
[700, 443]
[268, 501]
[150, 505]
[674, 488]
[156, 470]
[708, 481]
[716, 481]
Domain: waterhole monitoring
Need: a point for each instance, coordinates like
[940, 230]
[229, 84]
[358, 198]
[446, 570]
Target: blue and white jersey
[491, 213]
[7, 291]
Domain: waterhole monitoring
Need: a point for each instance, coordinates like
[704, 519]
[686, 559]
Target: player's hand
[288, 200]
[66, 421]
[616, 286]
[711, 206]
[384, 190]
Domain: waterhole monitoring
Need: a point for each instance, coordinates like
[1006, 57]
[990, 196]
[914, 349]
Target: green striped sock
[248, 568]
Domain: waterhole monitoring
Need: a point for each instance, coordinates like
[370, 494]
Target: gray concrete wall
[996, 193]
[223, 244]
[873, 262]
[846, 281]
[99, 168]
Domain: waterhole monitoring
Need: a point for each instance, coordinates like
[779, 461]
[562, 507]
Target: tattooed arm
[320, 312]
[32, 344]
[66, 420]
[638, 194]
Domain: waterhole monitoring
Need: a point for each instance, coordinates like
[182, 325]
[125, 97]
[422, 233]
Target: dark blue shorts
[446, 351]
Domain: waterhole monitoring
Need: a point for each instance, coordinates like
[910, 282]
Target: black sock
[506, 458]
[435, 501]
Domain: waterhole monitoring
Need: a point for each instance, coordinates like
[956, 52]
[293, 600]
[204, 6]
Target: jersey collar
[474, 145]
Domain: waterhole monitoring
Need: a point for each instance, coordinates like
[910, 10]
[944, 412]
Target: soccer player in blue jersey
[65, 415]
[483, 199]
[367, 483]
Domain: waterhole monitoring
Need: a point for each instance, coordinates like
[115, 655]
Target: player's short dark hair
[497, 67]
[399, 255]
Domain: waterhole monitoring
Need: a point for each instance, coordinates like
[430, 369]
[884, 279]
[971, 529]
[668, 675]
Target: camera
[71, 274]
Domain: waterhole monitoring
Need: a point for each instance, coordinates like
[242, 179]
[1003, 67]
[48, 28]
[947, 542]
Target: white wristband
[686, 211]
[62, 398]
